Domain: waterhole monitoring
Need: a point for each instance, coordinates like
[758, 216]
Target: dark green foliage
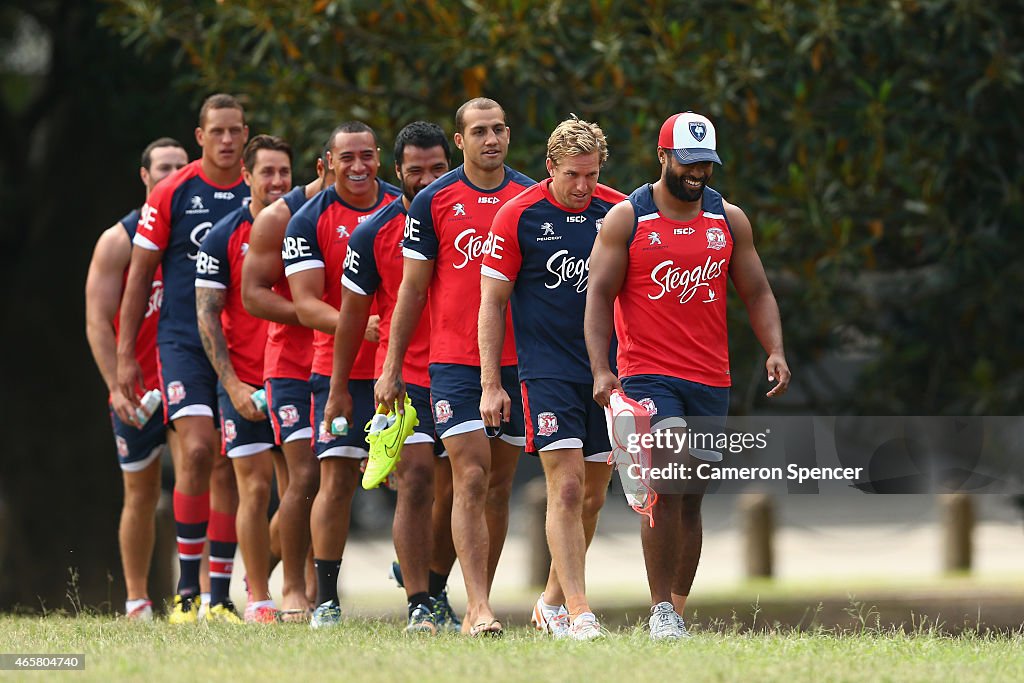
[876, 147]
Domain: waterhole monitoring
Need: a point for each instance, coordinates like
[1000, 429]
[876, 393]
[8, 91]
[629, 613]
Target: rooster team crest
[324, 436]
[598, 223]
[122, 446]
[442, 411]
[547, 424]
[698, 130]
[230, 433]
[648, 404]
[289, 415]
[175, 392]
[716, 238]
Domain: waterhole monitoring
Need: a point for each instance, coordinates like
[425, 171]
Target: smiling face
[223, 136]
[574, 179]
[355, 159]
[419, 168]
[484, 138]
[685, 182]
[270, 177]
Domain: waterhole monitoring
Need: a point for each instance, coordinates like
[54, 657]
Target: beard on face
[678, 188]
[676, 183]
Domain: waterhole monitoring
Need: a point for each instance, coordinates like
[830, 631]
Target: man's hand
[339, 404]
[123, 408]
[241, 398]
[372, 333]
[130, 380]
[390, 390]
[777, 370]
[605, 382]
[495, 406]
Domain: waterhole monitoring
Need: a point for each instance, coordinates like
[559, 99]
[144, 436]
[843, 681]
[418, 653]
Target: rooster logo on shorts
[175, 392]
[289, 415]
[230, 432]
[547, 424]
[442, 411]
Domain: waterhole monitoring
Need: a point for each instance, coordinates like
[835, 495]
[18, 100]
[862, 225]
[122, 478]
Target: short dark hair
[424, 135]
[351, 127]
[219, 101]
[475, 103]
[271, 142]
[147, 154]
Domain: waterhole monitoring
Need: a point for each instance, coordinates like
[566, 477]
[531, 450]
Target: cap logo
[698, 130]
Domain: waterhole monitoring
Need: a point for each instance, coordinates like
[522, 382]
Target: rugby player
[663, 260]
[138, 448]
[172, 226]
[445, 238]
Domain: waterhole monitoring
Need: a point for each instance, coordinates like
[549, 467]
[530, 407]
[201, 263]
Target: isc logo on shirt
[575, 219]
[224, 195]
[487, 200]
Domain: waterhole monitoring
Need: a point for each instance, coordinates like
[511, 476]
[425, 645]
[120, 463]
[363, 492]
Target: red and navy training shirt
[145, 342]
[176, 218]
[544, 248]
[219, 266]
[449, 222]
[373, 265]
[289, 352]
[317, 237]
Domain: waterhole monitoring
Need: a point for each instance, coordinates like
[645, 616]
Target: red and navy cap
[690, 137]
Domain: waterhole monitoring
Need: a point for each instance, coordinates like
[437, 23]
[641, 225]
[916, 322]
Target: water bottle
[259, 399]
[150, 402]
[339, 426]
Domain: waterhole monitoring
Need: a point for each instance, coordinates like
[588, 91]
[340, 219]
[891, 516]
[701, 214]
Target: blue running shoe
[444, 615]
[326, 615]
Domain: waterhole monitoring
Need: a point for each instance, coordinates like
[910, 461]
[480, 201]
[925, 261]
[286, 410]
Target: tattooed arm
[209, 305]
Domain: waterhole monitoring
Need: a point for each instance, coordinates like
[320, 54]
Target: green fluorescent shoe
[386, 436]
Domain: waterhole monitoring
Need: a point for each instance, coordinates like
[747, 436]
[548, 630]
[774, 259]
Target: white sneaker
[665, 624]
[585, 627]
[553, 621]
[682, 627]
[141, 612]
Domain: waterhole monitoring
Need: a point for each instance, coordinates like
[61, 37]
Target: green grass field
[373, 650]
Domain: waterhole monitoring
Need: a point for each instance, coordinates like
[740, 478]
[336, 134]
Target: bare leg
[504, 457]
[470, 456]
[411, 529]
[294, 520]
[332, 507]
[254, 474]
[563, 470]
[443, 557]
[598, 474]
[689, 550]
[137, 529]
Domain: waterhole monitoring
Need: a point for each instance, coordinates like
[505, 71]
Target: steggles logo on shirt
[568, 269]
[671, 278]
[471, 245]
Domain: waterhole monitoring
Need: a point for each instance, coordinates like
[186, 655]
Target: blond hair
[573, 137]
